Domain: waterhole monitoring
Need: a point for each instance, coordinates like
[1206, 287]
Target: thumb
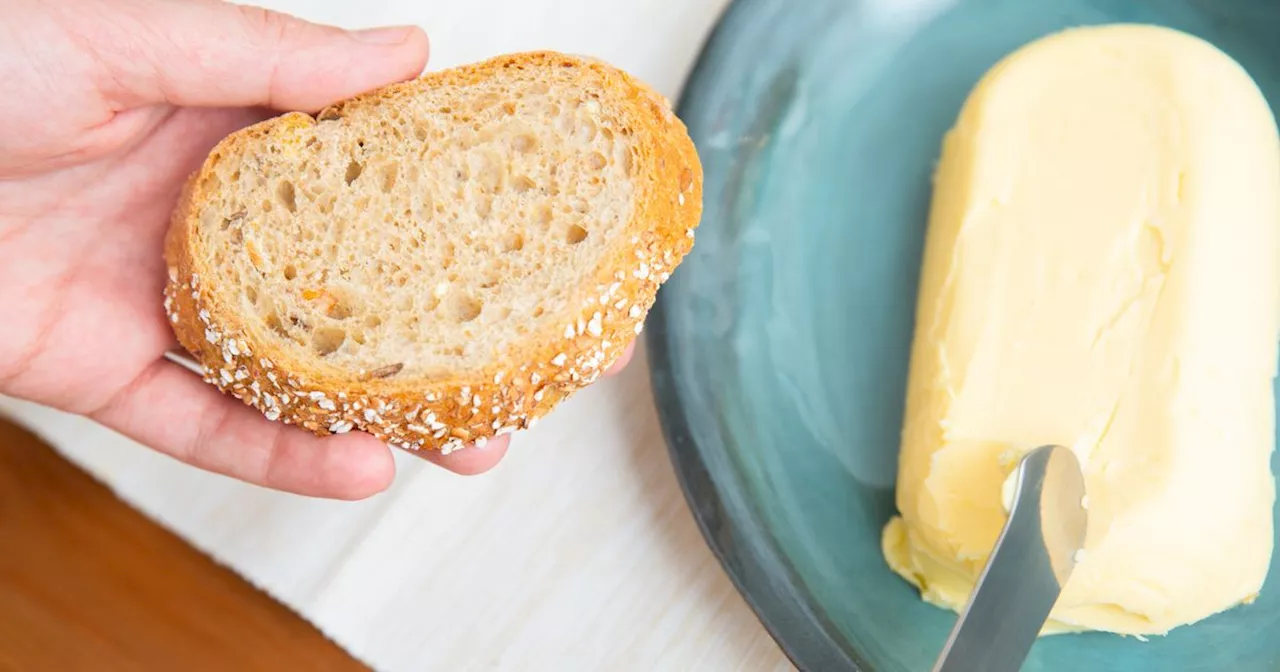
[209, 53]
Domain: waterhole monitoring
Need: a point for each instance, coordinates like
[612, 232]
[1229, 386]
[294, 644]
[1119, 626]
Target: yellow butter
[1102, 271]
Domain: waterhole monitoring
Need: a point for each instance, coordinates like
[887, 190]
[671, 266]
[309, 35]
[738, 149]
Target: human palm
[90, 169]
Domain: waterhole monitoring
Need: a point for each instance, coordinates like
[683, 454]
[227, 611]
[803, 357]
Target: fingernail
[387, 36]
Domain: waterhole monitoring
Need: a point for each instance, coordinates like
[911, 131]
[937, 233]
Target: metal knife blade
[1025, 573]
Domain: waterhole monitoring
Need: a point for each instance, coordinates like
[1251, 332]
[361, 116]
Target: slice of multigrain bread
[436, 262]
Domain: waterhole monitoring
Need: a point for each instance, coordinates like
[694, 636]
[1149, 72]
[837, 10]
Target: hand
[108, 106]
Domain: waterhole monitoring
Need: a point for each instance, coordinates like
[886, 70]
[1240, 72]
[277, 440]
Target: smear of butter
[1101, 272]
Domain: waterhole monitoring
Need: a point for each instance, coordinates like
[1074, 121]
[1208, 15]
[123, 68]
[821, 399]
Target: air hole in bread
[228, 221]
[290, 271]
[512, 242]
[272, 319]
[353, 171]
[524, 143]
[523, 183]
[389, 173]
[462, 307]
[266, 206]
[575, 234]
[340, 309]
[597, 161]
[491, 175]
[287, 197]
[251, 293]
[327, 340]
[565, 124]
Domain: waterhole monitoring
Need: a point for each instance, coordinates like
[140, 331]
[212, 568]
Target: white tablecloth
[577, 553]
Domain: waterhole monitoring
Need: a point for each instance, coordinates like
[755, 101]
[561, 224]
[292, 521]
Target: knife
[1025, 573]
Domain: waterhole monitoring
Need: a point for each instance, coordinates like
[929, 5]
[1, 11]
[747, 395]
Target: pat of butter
[1102, 271]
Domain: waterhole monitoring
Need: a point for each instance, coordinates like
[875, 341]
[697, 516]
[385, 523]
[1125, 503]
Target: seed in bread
[439, 261]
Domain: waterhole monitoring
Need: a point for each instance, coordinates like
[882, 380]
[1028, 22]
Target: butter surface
[1102, 271]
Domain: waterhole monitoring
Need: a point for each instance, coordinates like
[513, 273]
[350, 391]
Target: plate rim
[789, 619]
[783, 616]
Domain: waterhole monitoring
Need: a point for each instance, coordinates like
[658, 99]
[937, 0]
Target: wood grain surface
[87, 583]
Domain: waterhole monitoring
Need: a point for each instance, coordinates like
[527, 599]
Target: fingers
[622, 361]
[471, 460]
[209, 53]
[173, 411]
[178, 414]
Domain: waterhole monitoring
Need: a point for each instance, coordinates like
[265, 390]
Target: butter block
[1101, 271]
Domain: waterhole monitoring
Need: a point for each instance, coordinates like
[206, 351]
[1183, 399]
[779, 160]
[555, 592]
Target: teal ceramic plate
[779, 348]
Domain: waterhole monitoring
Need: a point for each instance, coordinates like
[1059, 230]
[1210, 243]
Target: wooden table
[88, 583]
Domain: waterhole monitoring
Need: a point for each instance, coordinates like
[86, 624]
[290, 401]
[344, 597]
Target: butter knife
[1025, 573]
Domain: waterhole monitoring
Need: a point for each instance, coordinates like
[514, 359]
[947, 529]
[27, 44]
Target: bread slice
[438, 261]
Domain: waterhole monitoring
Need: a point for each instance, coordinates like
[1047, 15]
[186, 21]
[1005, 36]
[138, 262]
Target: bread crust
[447, 412]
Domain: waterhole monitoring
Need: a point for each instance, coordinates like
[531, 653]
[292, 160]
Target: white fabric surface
[577, 553]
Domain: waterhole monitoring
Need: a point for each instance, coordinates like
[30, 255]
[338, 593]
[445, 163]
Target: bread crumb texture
[439, 261]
